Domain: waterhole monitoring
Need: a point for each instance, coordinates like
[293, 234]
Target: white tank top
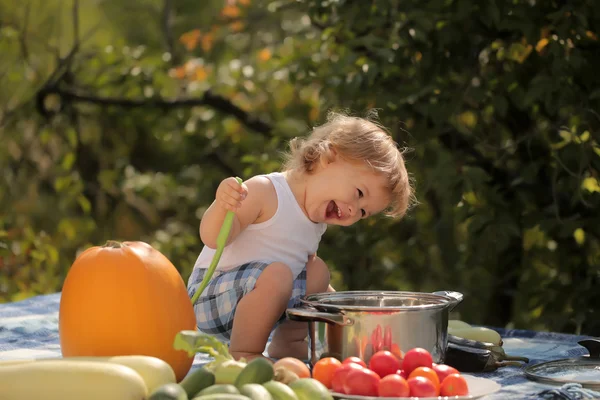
[288, 237]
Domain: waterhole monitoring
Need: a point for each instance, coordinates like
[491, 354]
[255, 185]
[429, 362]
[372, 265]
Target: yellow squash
[60, 380]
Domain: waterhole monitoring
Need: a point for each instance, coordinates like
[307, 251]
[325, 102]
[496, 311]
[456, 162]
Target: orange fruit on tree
[324, 370]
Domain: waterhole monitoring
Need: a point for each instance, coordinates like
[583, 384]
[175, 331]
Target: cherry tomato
[421, 387]
[454, 385]
[339, 376]
[324, 369]
[356, 360]
[443, 370]
[393, 386]
[428, 373]
[417, 357]
[384, 363]
[396, 350]
[402, 373]
[362, 382]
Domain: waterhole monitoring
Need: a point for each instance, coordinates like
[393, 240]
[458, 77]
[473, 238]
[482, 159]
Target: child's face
[342, 192]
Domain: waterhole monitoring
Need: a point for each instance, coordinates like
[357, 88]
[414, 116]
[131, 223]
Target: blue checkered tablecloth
[29, 329]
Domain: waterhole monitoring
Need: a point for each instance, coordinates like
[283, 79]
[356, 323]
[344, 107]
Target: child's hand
[230, 194]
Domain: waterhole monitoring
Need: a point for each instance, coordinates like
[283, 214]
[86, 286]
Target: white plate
[478, 387]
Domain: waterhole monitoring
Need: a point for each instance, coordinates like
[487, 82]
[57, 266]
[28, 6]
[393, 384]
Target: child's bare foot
[248, 356]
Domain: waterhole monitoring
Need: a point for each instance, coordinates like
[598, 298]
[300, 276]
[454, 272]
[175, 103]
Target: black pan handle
[309, 315]
[592, 346]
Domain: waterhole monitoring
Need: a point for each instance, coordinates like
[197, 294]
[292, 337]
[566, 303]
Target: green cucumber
[222, 396]
[280, 391]
[259, 370]
[255, 391]
[168, 391]
[197, 380]
[221, 388]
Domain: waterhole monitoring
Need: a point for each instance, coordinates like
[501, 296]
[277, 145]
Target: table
[29, 328]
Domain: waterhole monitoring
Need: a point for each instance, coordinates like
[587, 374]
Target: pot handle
[456, 297]
[309, 315]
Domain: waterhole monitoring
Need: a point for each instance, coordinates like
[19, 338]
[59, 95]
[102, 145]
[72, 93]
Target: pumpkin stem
[114, 244]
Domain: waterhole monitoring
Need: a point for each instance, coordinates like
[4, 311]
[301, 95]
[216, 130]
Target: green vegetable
[255, 391]
[259, 370]
[196, 381]
[221, 240]
[280, 391]
[219, 388]
[310, 389]
[169, 391]
[228, 371]
[222, 396]
[194, 342]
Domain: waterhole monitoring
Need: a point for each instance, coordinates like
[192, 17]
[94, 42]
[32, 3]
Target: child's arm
[246, 200]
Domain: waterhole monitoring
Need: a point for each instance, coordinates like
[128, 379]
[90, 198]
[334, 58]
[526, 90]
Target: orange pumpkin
[125, 299]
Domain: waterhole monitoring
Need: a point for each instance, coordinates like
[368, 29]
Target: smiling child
[347, 169]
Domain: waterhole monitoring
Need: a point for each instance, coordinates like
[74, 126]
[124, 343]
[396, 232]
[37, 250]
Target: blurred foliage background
[119, 119]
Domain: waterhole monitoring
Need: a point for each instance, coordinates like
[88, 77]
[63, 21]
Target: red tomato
[428, 373]
[402, 373]
[443, 370]
[339, 376]
[421, 387]
[362, 382]
[396, 350]
[415, 358]
[393, 386]
[384, 363]
[355, 360]
[324, 369]
[454, 385]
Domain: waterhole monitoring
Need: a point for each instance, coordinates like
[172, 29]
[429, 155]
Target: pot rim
[438, 301]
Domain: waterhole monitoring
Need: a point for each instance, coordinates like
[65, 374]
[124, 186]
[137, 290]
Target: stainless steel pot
[360, 323]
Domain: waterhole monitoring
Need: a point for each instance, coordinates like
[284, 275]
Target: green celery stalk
[221, 240]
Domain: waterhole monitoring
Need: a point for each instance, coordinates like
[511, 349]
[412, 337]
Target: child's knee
[278, 279]
[317, 275]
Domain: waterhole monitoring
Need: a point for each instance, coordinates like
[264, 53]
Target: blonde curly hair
[357, 140]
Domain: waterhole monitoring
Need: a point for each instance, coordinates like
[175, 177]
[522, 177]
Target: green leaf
[579, 236]
[72, 137]
[595, 94]
[500, 105]
[61, 183]
[590, 184]
[534, 237]
[84, 203]
[194, 342]
[493, 12]
[68, 161]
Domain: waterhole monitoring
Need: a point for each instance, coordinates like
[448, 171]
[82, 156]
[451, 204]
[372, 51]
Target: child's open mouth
[333, 211]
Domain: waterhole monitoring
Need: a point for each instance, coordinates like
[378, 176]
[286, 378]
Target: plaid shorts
[215, 307]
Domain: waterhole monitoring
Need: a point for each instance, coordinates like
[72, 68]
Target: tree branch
[215, 101]
[75, 12]
[23, 37]
[167, 17]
